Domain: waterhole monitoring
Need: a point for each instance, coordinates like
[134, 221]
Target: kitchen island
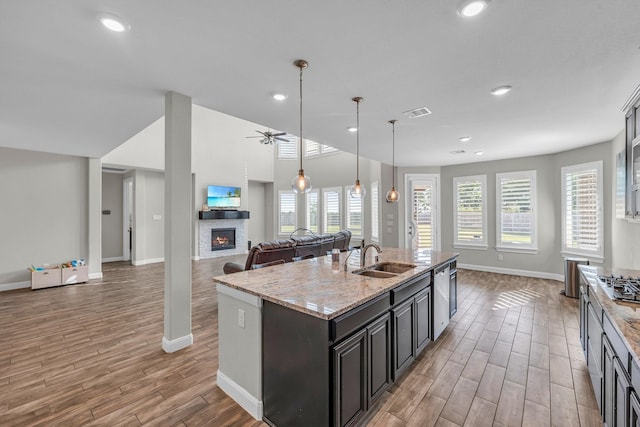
[306, 343]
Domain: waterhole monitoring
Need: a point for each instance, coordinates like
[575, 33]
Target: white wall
[43, 211]
[257, 216]
[112, 223]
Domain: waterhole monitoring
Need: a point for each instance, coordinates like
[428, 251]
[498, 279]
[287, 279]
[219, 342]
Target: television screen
[219, 196]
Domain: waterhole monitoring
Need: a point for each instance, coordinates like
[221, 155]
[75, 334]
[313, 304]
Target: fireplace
[223, 238]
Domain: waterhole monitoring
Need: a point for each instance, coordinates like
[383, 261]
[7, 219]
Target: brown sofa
[287, 249]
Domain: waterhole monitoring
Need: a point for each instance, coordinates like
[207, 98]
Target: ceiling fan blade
[280, 139]
[279, 134]
[254, 137]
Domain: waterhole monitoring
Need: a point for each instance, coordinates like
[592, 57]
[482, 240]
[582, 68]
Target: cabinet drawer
[75, 275]
[350, 321]
[597, 307]
[616, 342]
[45, 278]
[410, 288]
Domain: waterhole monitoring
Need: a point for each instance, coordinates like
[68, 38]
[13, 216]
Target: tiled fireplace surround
[204, 232]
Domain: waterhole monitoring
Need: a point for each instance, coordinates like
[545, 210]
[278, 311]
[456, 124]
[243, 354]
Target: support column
[178, 217]
[94, 255]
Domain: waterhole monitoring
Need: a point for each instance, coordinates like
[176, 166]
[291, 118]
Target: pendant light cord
[393, 152]
[358, 140]
[301, 68]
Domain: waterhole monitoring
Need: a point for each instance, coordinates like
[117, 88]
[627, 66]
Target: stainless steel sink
[375, 273]
[391, 267]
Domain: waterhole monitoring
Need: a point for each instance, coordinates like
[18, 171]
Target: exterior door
[422, 230]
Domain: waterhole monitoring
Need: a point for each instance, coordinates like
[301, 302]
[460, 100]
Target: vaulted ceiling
[70, 86]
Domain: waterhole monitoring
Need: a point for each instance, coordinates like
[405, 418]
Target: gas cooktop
[621, 288]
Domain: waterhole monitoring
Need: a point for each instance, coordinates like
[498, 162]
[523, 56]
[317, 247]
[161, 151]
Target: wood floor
[91, 355]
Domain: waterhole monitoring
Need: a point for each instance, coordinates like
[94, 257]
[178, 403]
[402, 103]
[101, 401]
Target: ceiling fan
[269, 137]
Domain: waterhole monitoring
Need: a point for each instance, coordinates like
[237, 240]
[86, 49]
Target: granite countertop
[312, 286]
[625, 316]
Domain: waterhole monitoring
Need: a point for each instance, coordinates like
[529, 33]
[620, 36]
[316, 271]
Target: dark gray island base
[327, 370]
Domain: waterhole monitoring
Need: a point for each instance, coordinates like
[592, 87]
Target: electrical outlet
[241, 318]
[499, 257]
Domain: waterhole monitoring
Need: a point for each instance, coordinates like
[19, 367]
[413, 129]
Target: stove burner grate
[621, 288]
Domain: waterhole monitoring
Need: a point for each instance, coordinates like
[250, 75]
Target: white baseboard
[113, 259]
[525, 273]
[177, 344]
[147, 261]
[195, 258]
[15, 285]
[95, 275]
[242, 397]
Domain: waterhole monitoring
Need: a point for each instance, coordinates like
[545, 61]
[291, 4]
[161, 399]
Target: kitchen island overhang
[307, 301]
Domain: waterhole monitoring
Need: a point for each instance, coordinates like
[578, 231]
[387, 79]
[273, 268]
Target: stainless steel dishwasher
[440, 300]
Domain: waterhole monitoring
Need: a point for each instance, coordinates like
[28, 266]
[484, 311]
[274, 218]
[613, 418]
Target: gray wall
[257, 211]
[43, 216]
[112, 227]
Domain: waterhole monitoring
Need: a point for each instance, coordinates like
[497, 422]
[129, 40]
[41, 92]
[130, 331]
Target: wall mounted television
[223, 197]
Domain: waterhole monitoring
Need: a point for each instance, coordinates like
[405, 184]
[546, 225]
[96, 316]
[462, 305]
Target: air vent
[417, 112]
[457, 152]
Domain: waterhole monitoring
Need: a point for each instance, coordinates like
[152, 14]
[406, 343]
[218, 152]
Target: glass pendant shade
[357, 190]
[301, 183]
[392, 195]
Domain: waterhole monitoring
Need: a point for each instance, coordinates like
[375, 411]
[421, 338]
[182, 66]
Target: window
[331, 220]
[287, 149]
[326, 149]
[311, 149]
[312, 211]
[354, 214]
[470, 207]
[582, 224]
[516, 211]
[375, 226]
[287, 217]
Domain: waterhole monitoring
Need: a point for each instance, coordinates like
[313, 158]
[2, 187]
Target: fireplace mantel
[223, 214]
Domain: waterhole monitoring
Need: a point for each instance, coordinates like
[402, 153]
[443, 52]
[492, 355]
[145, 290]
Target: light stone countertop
[312, 286]
[625, 316]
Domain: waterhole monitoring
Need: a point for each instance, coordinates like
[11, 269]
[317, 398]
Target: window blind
[354, 214]
[312, 211]
[470, 224]
[287, 212]
[516, 209]
[311, 149]
[288, 149]
[331, 211]
[582, 222]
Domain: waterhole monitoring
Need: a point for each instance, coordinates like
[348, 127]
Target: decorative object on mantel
[392, 195]
[301, 183]
[357, 191]
[205, 207]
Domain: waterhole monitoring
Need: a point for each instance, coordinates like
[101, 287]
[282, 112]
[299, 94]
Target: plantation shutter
[311, 149]
[582, 213]
[312, 211]
[470, 210]
[331, 210]
[422, 217]
[288, 149]
[375, 235]
[326, 149]
[287, 212]
[516, 209]
[354, 214]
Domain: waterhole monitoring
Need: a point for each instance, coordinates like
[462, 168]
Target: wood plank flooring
[91, 354]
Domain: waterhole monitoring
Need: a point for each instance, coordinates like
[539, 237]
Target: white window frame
[375, 212]
[596, 255]
[324, 205]
[515, 246]
[328, 150]
[347, 201]
[311, 149]
[307, 219]
[480, 244]
[295, 213]
[287, 155]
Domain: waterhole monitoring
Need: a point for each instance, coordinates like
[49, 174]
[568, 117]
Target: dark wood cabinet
[634, 409]
[403, 336]
[607, 382]
[423, 319]
[379, 357]
[350, 379]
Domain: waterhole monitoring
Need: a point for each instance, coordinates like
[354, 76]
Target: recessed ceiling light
[457, 152]
[469, 8]
[279, 96]
[464, 138]
[500, 90]
[113, 22]
[352, 129]
[479, 153]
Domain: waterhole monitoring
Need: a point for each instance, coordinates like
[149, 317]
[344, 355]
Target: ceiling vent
[457, 152]
[417, 112]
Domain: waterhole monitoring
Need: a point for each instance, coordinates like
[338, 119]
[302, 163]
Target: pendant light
[392, 195]
[301, 183]
[357, 191]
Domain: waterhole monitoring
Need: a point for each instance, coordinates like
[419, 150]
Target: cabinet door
[349, 382]
[607, 382]
[379, 338]
[620, 393]
[423, 319]
[594, 352]
[403, 336]
[584, 299]
[634, 409]
[453, 294]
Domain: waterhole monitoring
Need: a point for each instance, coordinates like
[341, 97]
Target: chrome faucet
[363, 252]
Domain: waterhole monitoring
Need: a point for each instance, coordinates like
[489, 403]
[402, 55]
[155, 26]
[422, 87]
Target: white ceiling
[70, 86]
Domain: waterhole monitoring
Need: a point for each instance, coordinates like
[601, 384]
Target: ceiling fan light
[470, 8]
[301, 184]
